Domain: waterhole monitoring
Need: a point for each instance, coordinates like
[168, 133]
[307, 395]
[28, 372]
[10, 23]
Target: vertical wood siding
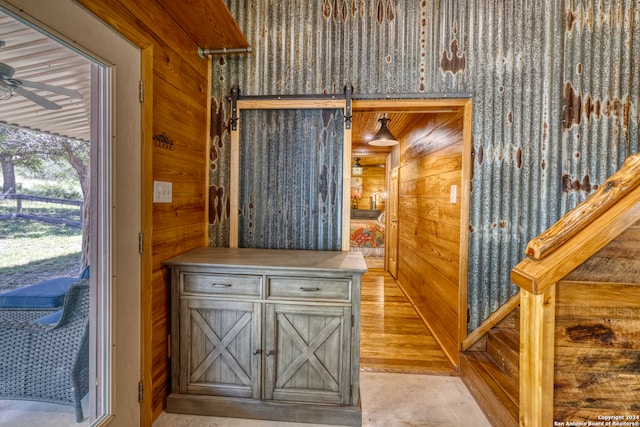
[555, 87]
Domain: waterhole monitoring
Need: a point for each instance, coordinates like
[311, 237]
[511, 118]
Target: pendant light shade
[384, 137]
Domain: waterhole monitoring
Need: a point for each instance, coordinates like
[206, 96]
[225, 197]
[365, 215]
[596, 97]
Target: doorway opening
[427, 217]
[369, 208]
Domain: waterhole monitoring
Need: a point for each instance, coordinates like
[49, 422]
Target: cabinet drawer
[309, 288]
[222, 284]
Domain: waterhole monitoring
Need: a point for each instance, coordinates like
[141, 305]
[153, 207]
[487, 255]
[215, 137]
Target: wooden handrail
[582, 231]
[616, 187]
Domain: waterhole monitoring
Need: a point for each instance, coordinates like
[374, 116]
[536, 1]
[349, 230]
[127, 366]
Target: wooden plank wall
[429, 225]
[597, 349]
[178, 110]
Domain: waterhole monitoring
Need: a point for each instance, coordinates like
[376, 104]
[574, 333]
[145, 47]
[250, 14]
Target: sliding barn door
[290, 179]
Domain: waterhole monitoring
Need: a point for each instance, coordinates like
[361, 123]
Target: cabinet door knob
[269, 353]
[257, 351]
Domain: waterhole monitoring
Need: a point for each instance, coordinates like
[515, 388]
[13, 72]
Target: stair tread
[494, 390]
[504, 346]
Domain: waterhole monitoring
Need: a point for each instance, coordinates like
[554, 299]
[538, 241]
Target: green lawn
[31, 251]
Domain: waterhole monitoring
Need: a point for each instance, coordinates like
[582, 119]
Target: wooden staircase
[579, 298]
[490, 370]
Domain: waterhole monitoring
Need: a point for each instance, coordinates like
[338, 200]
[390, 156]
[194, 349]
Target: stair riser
[511, 321]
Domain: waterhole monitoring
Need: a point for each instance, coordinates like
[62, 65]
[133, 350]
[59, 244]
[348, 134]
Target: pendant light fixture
[384, 137]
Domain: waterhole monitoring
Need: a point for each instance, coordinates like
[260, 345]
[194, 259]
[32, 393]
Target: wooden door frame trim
[448, 105]
[146, 257]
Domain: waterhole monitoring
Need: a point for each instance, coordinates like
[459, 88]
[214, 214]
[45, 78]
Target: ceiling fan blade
[43, 102]
[50, 88]
[5, 90]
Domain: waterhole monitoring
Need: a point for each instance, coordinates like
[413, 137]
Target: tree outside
[39, 164]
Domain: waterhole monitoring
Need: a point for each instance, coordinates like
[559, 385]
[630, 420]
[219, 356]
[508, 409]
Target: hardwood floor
[393, 337]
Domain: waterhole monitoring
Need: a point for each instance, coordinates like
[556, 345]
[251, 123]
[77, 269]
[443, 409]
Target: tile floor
[388, 400]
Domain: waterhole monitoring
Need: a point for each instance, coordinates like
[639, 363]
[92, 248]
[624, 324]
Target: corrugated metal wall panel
[516, 58]
[219, 167]
[512, 51]
[601, 91]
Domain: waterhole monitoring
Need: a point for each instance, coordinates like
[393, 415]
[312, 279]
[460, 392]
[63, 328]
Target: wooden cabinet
[266, 334]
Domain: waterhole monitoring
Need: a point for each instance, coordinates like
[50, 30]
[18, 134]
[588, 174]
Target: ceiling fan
[9, 85]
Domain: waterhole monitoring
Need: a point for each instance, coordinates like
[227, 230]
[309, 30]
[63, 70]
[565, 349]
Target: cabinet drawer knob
[221, 285]
[303, 289]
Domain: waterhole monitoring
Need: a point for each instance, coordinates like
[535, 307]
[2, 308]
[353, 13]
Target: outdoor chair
[48, 362]
[39, 299]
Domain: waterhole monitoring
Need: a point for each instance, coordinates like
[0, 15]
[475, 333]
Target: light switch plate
[162, 192]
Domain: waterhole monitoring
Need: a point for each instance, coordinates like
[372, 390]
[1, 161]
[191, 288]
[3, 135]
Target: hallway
[393, 337]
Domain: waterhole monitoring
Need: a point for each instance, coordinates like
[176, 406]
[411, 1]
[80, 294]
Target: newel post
[537, 327]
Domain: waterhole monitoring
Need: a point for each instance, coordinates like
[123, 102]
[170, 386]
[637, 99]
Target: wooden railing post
[537, 324]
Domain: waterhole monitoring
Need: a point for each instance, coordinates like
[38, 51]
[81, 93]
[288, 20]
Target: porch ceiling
[36, 57]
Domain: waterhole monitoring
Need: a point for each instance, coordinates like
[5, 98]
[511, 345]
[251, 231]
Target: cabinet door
[307, 353]
[220, 348]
